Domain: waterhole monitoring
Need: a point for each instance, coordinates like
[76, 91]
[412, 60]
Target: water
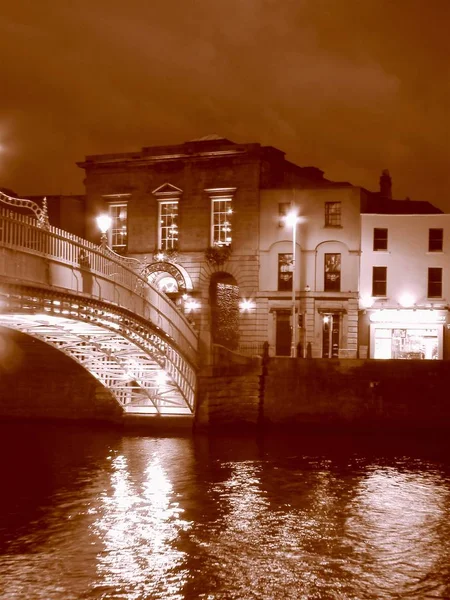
[94, 514]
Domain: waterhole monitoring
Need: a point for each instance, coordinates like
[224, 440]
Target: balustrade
[26, 234]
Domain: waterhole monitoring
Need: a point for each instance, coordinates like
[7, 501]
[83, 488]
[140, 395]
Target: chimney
[386, 184]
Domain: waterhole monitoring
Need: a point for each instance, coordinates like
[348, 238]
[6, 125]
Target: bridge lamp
[291, 220]
[104, 223]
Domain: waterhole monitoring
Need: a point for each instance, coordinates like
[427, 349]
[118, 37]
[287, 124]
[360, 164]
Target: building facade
[206, 220]
[404, 286]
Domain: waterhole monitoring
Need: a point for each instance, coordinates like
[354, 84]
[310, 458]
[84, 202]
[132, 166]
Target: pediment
[167, 189]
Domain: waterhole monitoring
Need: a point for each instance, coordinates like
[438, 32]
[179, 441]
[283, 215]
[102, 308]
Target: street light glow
[291, 219]
[104, 222]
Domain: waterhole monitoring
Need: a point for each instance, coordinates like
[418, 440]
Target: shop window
[380, 239]
[285, 272]
[168, 224]
[283, 210]
[222, 213]
[435, 282]
[118, 231]
[332, 275]
[435, 240]
[332, 214]
[379, 281]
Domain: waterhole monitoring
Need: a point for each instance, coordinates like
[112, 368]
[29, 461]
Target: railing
[251, 349]
[21, 232]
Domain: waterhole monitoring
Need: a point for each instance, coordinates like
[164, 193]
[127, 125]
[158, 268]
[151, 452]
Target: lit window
[435, 240]
[222, 213]
[168, 224]
[118, 229]
[380, 239]
[285, 270]
[332, 279]
[435, 282]
[332, 214]
[379, 281]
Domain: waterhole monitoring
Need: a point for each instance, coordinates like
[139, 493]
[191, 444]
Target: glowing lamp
[406, 300]
[246, 305]
[104, 222]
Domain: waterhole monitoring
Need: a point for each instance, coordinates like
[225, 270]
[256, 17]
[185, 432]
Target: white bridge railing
[81, 266]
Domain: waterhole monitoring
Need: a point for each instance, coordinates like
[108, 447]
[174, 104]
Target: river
[90, 513]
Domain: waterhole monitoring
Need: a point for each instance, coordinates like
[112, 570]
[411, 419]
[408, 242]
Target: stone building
[192, 214]
[206, 220]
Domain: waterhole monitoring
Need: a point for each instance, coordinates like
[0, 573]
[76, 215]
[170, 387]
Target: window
[168, 224]
[283, 210]
[332, 214]
[285, 271]
[435, 240]
[332, 279]
[379, 281]
[118, 229]
[380, 239]
[435, 282]
[221, 221]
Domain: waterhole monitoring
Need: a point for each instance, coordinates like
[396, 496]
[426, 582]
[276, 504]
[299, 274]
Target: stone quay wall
[321, 393]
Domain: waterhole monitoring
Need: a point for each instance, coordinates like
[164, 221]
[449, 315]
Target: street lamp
[104, 223]
[291, 220]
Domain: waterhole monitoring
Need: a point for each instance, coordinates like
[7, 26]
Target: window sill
[332, 227]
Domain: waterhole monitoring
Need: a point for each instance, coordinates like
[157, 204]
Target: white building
[404, 286]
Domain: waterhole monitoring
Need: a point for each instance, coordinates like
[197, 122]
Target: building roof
[377, 204]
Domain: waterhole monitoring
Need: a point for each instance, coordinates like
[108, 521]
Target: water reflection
[139, 525]
[398, 527]
[88, 516]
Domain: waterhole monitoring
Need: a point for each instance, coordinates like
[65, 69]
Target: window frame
[114, 231]
[329, 284]
[379, 281]
[285, 284]
[162, 245]
[439, 239]
[380, 242]
[433, 281]
[223, 223]
[333, 218]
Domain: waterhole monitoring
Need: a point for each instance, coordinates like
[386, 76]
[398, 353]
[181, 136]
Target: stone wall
[399, 394]
[228, 399]
[38, 381]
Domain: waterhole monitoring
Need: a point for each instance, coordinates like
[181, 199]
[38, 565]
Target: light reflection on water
[90, 514]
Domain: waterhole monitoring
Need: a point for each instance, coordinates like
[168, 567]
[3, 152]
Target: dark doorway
[224, 302]
[283, 333]
[330, 335]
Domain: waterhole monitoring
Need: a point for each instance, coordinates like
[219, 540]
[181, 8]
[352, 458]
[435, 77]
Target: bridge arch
[135, 361]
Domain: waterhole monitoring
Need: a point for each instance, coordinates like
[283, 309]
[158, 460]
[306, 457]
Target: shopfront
[407, 334]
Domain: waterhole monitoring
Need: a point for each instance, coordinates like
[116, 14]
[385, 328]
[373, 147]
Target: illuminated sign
[407, 316]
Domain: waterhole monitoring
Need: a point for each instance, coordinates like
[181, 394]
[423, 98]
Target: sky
[349, 86]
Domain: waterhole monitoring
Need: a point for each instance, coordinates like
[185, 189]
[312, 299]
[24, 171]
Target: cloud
[351, 87]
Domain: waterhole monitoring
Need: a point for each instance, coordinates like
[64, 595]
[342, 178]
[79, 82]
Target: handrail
[18, 231]
[41, 213]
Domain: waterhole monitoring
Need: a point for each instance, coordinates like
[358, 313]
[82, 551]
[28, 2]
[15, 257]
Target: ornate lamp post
[104, 223]
[291, 221]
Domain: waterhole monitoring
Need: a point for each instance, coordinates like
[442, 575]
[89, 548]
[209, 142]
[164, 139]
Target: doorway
[331, 330]
[283, 333]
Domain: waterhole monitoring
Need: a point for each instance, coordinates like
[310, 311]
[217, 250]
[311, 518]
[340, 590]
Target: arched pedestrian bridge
[99, 309]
